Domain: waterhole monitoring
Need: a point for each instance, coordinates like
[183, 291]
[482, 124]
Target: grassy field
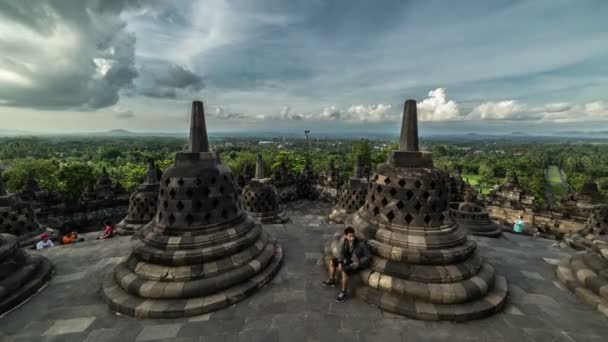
[553, 175]
[555, 182]
[473, 180]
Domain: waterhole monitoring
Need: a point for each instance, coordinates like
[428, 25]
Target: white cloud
[370, 113]
[437, 107]
[502, 110]
[557, 107]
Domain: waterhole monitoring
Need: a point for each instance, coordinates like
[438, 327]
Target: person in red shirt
[108, 231]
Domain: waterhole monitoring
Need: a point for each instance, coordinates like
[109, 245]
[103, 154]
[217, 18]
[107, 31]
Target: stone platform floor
[295, 307]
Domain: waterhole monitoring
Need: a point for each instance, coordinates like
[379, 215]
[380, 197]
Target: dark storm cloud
[166, 80]
[65, 54]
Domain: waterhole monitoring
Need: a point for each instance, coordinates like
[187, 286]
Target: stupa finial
[259, 167]
[151, 177]
[358, 169]
[198, 129]
[409, 127]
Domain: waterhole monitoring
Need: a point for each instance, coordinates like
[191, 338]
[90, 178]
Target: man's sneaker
[329, 282]
[341, 297]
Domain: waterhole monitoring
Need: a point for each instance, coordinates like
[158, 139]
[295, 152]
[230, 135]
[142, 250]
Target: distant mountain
[579, 133]
[120, 132]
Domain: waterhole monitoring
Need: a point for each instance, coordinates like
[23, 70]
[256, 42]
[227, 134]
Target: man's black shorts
[348, 269]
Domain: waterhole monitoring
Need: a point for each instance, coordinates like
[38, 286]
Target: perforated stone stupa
[21, 274]
[423, 265]
[352, 195]
[586, 273]
[142, 204]
[260, 198]
[19, 219]
[474, 218]
[202, 252]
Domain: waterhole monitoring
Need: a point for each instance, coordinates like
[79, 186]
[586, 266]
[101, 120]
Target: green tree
[74, 177]
[43, 171]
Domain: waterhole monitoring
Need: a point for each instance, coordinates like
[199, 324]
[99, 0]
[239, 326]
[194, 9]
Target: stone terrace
[295, 307]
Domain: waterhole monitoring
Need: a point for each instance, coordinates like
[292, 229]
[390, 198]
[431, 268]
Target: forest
[547, 169]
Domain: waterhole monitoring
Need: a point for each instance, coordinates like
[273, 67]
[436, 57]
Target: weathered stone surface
[295, 307]
[19, 219]
[423, 265]
[202, 251]
[142, 204]
[511, 195]
[586, 275]
[595, 228]
[261, 200]
[21, 275]
[474, 219]
[352, 195]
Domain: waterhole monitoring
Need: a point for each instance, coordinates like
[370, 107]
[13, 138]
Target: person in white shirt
[45, 242]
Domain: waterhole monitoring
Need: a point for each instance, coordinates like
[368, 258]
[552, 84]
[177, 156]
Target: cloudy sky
[495, 66]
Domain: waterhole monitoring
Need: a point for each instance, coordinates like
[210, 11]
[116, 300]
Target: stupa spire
[358, 169]
[198, 129]
[259, 167]
[151, 177]
[2, 189]
[409, 128]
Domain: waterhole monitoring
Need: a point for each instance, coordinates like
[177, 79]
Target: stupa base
[274, 217]
[586, 275]
[339, 215]
[30, 240]
[492, 303]
[128, 228]
[128, 304]
[492, 231]
[20, 285]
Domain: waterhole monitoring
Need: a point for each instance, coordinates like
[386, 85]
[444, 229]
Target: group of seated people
[72, 237]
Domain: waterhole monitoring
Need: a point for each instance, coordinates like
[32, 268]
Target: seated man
[108, 231]
[354, 256]
[45, 242]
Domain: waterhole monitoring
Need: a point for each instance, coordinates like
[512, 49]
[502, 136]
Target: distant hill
[582, 133]
[121, 132]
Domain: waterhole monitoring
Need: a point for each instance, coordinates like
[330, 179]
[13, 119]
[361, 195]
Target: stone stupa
[352, 196]
[475, 219]
[423, 266]
[260, 198]
[21, 274]
[142, 203]
[202, 252]
[19, 218]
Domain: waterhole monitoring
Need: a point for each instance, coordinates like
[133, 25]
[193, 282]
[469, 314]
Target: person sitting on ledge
[71, 237]
[108, 231]
[45, 242]
[354, 256]
[519, 225]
